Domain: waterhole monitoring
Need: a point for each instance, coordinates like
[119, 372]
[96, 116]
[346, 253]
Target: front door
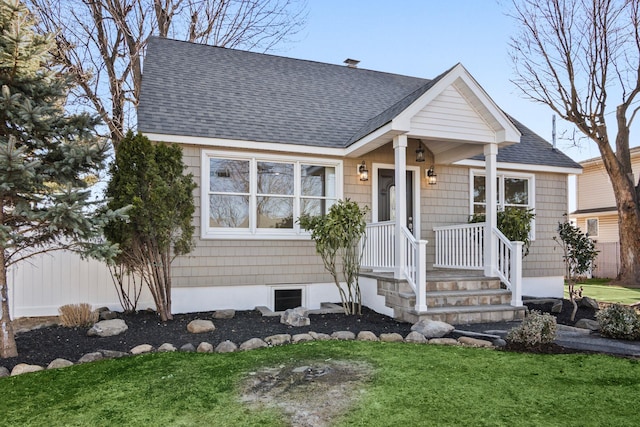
[387, 197]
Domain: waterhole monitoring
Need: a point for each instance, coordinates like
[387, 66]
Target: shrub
[72, 315]
[537, 328]
[619, 321]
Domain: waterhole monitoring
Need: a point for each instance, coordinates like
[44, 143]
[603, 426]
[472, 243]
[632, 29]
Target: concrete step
[468, 298]
[464, 315]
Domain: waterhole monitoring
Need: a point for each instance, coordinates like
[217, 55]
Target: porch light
[432, 178]
[420, 153]
[363, 172]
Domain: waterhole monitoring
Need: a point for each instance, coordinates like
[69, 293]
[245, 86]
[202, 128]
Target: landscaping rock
[107, 315]
[301, 338]
[59, 363]
[253, 344]
[499, 343]
[443, 341]
[367, 336]
[91, 357]
[557, 307]
[589, 303]
[112, 354]
[200, 326]
[432, 328]
[205, 347]
[108, 328]
[295, 317]
[592, 325]
[4, 372]
[142, 348]
[392, 337]
[416, 337]
[167, 348]
[474, 342]
[23, 368]
[279, 339]
[343, 335]
[188, 348]
[319, 336]
[224, 314]
[226, 347]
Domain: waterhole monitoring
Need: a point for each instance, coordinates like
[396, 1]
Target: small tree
[338, 237]
[514, 223]
[149, 178]
[46, 157]
[579, 253]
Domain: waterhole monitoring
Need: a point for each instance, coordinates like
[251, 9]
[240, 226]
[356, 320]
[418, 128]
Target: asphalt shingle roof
[205, 91]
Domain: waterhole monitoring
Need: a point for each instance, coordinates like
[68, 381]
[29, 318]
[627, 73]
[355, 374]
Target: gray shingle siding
[204, 91]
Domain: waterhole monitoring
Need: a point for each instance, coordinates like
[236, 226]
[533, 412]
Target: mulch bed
[41, 346]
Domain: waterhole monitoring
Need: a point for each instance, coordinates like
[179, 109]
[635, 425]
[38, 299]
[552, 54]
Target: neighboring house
[596, 212]
[268, 138]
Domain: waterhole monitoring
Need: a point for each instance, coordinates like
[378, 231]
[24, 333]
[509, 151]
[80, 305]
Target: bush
[72, 315]
[537, 328]
[619, 321]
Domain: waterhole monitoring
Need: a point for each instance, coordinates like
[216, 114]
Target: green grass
[600, 290]
[412, 385]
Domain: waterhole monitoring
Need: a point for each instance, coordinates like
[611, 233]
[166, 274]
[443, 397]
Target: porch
[457, 290]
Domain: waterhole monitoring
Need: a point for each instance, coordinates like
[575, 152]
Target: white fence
[38, 286]
[460, 246]
[608, 261]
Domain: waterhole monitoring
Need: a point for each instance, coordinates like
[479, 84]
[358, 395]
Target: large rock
[391, 337]
[200, 326]
[23, 368]
[108, 315]
[432, 328]
[319, 336]
[141, 349]
[278, 339]
[188, 348]
[475, 342]
[416, 337]
[589, 303]
[205, 347]
[224, 314]
[226, 347]
[366, 336]
[592, 325]
[59, 363]
[91, 357]
[253, 344]
[557, 307]
[343, 335]
[443, 341]
[167, 348]
[295, 317]
[108, 328]
[4, 372]
[301, 338]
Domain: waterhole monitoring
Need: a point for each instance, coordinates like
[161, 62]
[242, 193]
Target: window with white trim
[514, 189]
[262, 196]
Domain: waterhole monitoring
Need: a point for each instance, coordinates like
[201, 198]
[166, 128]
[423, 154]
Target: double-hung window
[248, 196]
[514, 190]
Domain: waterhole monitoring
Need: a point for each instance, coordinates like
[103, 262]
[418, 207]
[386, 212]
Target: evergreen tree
[46, 156]
[149, 178]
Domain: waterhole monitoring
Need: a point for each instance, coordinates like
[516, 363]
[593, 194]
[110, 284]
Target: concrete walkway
[569, 337]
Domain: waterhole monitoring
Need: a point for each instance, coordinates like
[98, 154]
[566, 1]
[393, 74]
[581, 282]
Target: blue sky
[423, 38]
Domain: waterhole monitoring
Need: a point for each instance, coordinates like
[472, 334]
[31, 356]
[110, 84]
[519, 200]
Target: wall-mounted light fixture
[420, 153]
[432, 178]
[363, 172]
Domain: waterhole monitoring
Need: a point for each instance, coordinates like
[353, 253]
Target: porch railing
[379, 255]
[460, 246]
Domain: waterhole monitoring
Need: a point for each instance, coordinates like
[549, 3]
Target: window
[514, 189]
[592, 227]
[263, 196]
[284, 299]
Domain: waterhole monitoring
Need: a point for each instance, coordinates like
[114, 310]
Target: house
[596, 212]
[269, 137]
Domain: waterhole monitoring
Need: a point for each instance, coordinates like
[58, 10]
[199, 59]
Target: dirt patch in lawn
[308, 393]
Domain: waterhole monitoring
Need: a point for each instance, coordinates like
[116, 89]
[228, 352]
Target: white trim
[304, 297]
[586, 223]
[591, 214]
[247, 145]
[254, 233]
[417, 178]
[501, 176]
[521, 166]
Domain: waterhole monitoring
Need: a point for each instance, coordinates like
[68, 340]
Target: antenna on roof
[351, 63]
[553, 131]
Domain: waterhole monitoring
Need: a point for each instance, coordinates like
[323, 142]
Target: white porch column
[491, 211]
[400, 156]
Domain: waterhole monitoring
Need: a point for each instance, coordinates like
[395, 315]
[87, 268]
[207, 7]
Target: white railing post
[491, 209]
[421, 277]
[400, 157]
[516, 274]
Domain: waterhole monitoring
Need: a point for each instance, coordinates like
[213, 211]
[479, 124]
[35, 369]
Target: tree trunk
[8, 347]
[629, 224]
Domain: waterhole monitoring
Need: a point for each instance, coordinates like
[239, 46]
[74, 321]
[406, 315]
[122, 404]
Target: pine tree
[46, 156]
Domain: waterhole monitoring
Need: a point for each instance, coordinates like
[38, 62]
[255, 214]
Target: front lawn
[410, 385]
[601, 291]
